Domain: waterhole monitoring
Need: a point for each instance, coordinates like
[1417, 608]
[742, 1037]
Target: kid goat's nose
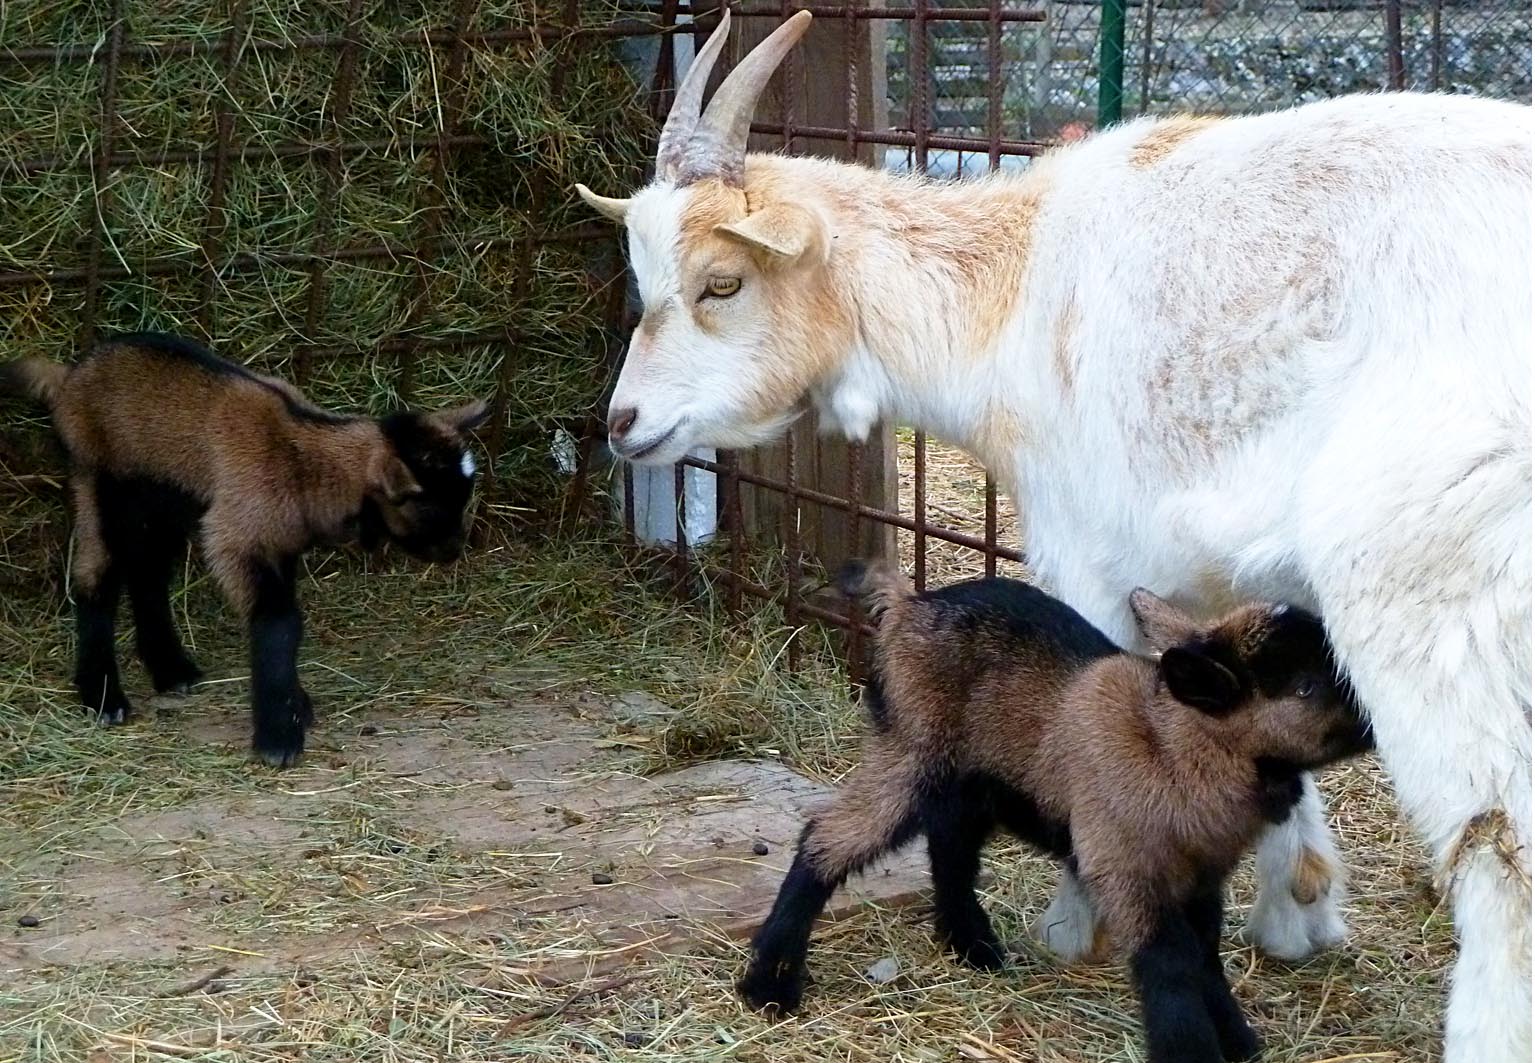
[620, 421]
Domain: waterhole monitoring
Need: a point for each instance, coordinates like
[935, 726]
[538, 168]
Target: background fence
[374, 199]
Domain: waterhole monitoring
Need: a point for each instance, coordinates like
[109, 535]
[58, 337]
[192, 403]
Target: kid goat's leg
[96, 586]
[1238, 1041]
[280, 705]
[1170, 974]
[957, 825]
[149, 556]
[873, 813]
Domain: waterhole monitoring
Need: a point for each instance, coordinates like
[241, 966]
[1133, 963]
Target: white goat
[1284, 356]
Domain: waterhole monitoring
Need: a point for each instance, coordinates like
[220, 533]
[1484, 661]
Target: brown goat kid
[994, 703]
[165, 439]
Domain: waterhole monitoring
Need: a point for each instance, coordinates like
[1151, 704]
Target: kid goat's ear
[464, 418]
[1200, 681]
[1160, 622]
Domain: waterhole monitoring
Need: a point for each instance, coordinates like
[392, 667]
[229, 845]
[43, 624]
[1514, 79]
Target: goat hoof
[112, 715]
[1240, 1044]
[280, 758]
[987, 955]
[281, 750]
[179, 677]
[774, 994]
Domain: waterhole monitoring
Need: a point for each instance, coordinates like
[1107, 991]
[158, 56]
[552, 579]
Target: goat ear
[1200, 681]
[1161, 623]
[464, 418]
[392, 478]
[783, 230]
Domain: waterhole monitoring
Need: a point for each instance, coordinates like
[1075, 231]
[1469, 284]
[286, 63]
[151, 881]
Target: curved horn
[612, 209]
[688, 102]
[718, 145]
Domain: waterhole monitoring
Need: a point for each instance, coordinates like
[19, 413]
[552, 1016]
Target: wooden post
[820, 82]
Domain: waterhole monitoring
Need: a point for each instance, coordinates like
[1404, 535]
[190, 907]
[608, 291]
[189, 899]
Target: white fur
[1301, 365]
[1286, 928]
[466, 465]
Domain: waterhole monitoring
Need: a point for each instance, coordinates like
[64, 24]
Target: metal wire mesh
[1220, 57]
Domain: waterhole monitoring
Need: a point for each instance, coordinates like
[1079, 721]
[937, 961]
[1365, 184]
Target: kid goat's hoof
[983, 955]
[775, 995]
[281, 747]
[177, 678]
[1241, 1044]
[112, 715]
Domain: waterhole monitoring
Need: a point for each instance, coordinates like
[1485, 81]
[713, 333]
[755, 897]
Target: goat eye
[722, 287]
[1305, 688]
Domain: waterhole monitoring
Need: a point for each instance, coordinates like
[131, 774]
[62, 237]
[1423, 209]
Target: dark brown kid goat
[994, 703]
[164, 439]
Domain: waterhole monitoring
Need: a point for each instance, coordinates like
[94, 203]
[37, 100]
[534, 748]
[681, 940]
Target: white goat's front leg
[1069, 926]
[1300, 883]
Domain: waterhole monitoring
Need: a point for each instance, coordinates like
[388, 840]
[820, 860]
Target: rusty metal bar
[246, 153]
[318, 41]
[1396, 73]
[433, 201]
[330, 189]
[216, 222]
[795, 571]
[246, 260]
[509, 35]
[794, 568]
[101, 194]
[883, 14]
[1436, 53]
[349, 149]
[994, 159]
[735, 526]
[917, 76]
[855, 648]
[742, 585]
[680, 516]
[865, 511]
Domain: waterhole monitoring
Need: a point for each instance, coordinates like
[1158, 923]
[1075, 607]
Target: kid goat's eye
[722, 287]
[1305, 688]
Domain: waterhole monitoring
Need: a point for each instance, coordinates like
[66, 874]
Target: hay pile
[550, 111]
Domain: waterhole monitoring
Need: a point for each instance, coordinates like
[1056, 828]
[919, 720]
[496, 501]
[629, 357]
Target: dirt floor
[542, 807]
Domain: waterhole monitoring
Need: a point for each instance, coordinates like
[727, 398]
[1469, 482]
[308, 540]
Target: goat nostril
[620, 421]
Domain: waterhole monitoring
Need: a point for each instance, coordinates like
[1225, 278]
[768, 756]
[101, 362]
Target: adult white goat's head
[738, 320]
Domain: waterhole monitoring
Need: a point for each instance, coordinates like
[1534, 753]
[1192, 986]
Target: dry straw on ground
[410, 939]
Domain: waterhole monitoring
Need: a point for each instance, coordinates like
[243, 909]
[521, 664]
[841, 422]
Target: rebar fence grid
[211, 169]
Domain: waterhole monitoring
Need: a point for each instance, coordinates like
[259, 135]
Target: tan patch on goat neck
[1313, 877]
[997, 237]
[1165, 137]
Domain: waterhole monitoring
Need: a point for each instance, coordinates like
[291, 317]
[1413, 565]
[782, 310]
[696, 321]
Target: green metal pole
[1111, 63]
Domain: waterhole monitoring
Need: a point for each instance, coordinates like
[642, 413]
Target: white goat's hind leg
[1488, 1020]
[1300, 883]
[1069, 926]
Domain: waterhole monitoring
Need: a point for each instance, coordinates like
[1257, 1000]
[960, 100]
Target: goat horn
[612, 209]
[688, 102]
[718, 145]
